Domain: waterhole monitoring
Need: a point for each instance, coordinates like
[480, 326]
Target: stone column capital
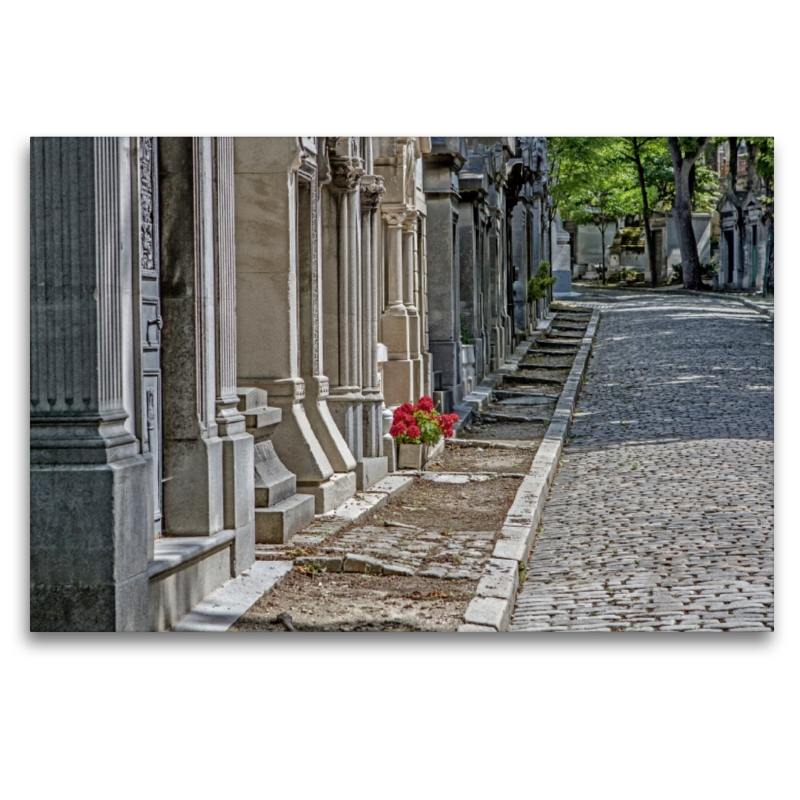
[410, 221]
[346, 172]
[372, 189]
[394, 214]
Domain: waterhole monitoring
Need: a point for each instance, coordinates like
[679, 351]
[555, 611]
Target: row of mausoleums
[220, 329]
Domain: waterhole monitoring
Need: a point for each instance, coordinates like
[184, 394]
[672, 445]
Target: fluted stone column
[346, 400]
[374, 464]
[398, 371]
[91, 503]
[497, 293]
[237, 443]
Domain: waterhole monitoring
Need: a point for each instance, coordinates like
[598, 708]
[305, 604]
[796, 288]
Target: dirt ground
[350, 602]
[446, 529]
[478, 459]
[507, 432]
[479, 506]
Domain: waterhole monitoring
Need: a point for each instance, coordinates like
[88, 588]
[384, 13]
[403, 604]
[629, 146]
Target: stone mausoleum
[221, 328]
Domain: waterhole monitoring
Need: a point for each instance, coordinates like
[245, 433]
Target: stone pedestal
[561, 266]
[279, 510]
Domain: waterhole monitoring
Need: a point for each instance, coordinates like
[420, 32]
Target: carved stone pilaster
[372, 189]
[393, 216]
[91, 511]
[225, 284]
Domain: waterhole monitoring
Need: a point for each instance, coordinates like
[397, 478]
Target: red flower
[413, 432]
[425, 404]
[398, 429]
[406, 408]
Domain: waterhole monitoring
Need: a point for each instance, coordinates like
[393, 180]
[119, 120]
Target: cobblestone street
[661, 515]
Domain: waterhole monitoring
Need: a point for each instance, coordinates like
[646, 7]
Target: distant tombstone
[562, 271]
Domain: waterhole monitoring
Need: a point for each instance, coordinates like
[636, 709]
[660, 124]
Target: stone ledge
[217, 612]
[174, 552]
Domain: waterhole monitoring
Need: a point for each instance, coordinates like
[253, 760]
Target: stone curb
[492, 612]
[767, 312]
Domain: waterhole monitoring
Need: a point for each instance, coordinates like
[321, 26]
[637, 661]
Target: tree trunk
[733, 158]
[651, 256]
[602, 252]
[683, 209]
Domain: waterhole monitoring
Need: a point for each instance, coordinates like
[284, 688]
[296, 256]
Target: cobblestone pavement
[661, 515]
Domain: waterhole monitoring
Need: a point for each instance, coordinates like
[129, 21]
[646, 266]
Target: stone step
[274, 525]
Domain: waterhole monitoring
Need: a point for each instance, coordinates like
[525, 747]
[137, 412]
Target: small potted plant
[630, 276]
[419, 431]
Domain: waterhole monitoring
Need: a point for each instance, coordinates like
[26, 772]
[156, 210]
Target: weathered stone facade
[220, 329]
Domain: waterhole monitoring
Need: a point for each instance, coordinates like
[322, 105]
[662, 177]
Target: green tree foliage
[591, 185]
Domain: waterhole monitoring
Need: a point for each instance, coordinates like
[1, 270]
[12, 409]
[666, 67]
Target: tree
[591, 185]
[684, 153]
[654, 177]
[763, 160]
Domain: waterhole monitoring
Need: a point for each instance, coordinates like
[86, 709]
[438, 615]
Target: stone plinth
[279, 510]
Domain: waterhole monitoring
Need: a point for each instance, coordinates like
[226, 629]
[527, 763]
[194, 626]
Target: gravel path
[661, 516]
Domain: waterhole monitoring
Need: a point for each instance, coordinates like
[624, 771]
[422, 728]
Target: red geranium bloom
[425, 404]
[413, 432]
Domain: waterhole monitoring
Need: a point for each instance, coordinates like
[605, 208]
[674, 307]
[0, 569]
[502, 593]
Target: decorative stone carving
[372, 189]
[347, 172]
[147, 256]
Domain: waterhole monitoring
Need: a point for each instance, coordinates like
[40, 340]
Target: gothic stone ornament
[372, 189]
[394, 216]
[347, 172]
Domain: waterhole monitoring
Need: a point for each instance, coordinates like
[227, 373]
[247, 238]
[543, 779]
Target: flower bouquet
[417, 430]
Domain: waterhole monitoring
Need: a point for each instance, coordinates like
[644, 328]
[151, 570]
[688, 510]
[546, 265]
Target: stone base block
[443, 401]
[398, 382]
[276, 524]
[332, 493]
[371, 470]
[391, 455]
[244, 548]
[273, 482]
[237, 465]
[90, 525]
